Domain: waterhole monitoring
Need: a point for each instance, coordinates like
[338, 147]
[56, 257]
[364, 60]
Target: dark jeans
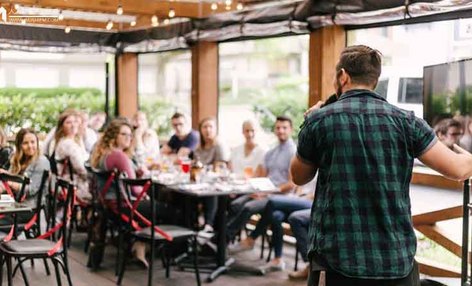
[240, 211]
[277, 210]
[336, 279]
[299, 222]
[210, 205]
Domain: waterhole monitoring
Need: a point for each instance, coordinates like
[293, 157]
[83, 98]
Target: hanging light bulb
[133, 23]
[60, 17]
[17, 6]
[119, 10]
[228, 7]
[240, 6]
[228, 2]
[109, 25]
[166, 22]
[154, 21]
[171, 13]
[214, 6]
[67, 30]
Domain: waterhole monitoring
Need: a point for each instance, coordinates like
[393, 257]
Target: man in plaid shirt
[363, 148]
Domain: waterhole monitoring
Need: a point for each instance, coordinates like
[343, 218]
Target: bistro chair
[163, 236]
[43, 247]
[103, 218]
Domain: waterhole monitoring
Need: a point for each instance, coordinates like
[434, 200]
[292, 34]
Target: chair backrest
[23, 180]
[128, 184]
[63, 187]
[97, 176]
[39, 199]
[67, 165]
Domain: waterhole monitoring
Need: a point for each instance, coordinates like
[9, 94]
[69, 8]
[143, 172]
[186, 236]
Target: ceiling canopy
[159, 25]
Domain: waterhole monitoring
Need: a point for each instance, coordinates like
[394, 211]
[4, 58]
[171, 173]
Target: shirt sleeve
[193, 140]
[222, 153]
[422, 137]
[35, 173]
[309, 142]
[172, 143]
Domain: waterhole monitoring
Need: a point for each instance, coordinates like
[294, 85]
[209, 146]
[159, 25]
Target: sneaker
[207, 228]
[299, 275]
[239, 247]
[272, 267]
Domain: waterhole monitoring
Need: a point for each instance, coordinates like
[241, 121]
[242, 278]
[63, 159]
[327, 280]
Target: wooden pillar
[127, 84]
[204, 81]
[326, 45]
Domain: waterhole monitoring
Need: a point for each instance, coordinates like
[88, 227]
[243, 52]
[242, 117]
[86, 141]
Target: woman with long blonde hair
[27, 161]
[69, 145]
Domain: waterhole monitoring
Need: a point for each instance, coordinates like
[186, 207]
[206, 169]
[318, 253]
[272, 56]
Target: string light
[240, 6]
[228, 2]
[119, 10]
[171, 13]
[214, 6]
[109, 25]
[166, 21]
[133, 23]
[61, 16]
[23, 21]
[228, 7]
[154, 21]
[67, 30]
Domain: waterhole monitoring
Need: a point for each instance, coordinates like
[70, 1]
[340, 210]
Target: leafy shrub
[39, 108]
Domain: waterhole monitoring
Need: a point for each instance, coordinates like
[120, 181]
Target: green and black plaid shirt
[361, 219]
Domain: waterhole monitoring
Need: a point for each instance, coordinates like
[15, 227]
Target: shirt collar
[360, 93]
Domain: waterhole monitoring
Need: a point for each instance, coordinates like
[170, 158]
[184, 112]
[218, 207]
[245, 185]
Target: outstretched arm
[456, 166]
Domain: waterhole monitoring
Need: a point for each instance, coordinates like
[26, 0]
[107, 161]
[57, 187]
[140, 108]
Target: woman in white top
[69, 145]
[146, 142]
[247, 159]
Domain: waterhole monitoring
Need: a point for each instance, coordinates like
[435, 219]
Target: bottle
[195, 170]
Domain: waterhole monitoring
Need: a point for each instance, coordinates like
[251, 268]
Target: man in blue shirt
[276, 168]
[184, 141]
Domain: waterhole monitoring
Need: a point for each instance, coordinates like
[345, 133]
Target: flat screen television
[447, 90]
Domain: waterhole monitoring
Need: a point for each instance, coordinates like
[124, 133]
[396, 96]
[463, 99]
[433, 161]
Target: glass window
[382, 87]
[164, 87]
[410, 90]
[259, 80]
[404, 56]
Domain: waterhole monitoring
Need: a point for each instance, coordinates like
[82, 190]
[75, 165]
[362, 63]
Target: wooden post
[204, 81]
[326, 45]
[127, 84]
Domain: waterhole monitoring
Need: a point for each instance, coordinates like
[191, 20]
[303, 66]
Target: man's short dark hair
[177, 115]
[363, 64]
[443, 126]
[284, 118]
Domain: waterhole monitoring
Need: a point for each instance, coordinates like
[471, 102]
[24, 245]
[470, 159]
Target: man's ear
[344, 77]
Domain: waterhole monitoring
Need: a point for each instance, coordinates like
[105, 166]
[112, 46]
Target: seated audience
[97, 120]
[277, 210]
[27, 161]
[146, 142]
[211, 151]
[88, 135]
[69, 145]
[5, 151]
[449, 131]
[276, 168]
[247, 159]
[184, 140]
[113, 152]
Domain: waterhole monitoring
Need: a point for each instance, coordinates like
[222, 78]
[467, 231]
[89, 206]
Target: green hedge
[39, 108]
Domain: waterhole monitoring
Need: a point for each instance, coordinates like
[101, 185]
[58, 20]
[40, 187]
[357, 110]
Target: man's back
[364, 148]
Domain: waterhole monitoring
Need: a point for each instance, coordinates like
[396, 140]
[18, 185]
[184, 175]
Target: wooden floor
[423, 199]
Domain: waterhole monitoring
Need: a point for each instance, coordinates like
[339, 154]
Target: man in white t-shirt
[247, 159]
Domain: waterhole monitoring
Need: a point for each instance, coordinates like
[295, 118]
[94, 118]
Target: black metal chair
[148, 233]
[100, 184]
[42, 247]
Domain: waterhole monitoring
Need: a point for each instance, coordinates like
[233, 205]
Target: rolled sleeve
[423, 137]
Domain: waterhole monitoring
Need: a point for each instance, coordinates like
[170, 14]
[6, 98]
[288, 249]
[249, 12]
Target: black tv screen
[447, 90]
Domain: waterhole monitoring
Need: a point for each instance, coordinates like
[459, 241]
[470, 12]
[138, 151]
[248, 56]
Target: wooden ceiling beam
[130, 7]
